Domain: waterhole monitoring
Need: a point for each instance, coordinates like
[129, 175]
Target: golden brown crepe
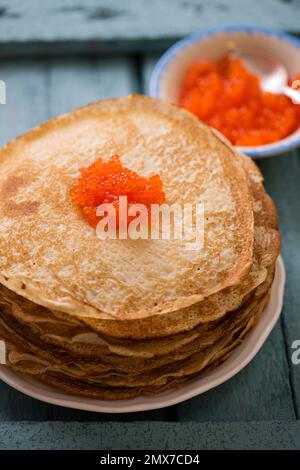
[63, 265]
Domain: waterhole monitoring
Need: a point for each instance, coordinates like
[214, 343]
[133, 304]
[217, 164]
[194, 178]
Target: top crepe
[50, 255]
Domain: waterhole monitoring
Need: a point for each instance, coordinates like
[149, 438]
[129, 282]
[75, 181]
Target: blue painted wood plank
[16, 407]
[76, 82]
[97, 25]
[282, 178]
[26, 100]
[148, 64]
[144, 436]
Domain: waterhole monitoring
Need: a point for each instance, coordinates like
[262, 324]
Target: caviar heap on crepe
[119, 318]
[104, 182]
[227, 96]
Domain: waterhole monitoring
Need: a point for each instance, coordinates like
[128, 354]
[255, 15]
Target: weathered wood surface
[144, 436]
[56, 26]
[282, 179]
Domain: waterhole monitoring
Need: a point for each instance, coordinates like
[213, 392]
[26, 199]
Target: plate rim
[30, 387]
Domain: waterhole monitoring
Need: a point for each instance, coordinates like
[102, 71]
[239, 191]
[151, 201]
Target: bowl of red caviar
[202, 74]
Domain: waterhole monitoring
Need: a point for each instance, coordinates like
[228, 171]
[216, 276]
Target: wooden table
[55, 56]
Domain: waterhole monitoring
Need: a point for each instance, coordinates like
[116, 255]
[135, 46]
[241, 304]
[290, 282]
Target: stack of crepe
[116, 319]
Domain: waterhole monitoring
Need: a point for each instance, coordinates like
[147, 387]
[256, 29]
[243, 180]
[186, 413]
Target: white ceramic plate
[237, 361]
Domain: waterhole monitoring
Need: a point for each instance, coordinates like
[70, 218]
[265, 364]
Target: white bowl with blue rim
[167, 77]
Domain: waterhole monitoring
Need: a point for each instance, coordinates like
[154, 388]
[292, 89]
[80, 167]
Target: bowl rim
[256, 151]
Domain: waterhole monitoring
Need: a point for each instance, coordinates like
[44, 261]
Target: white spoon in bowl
[273, 75]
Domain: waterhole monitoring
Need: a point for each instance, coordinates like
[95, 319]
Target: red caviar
[104, 182]
[225, 95]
